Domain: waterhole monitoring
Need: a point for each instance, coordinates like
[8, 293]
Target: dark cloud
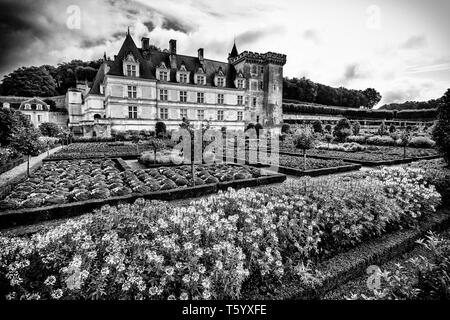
[150, 25]
[252, 36]
[174, 24]
[415, 42]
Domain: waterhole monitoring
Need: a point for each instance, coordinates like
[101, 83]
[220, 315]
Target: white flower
[184, 296]
[219, 265]
[169, 271]
[50, 281]
[57, 294]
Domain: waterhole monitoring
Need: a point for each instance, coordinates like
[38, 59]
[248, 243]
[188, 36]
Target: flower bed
[104, 150]
[231, 245]
[59, 182]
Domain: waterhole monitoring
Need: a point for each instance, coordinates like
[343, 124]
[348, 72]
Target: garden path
[22, 168]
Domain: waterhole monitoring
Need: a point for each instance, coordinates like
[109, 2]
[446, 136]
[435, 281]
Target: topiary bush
[421, 142]
[317, 126]
[342, 130]
[285, 128]
[356, 128]
[160, 129]
[441, 131]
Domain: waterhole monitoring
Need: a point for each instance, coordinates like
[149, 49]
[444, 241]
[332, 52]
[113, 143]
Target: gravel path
[21, 169]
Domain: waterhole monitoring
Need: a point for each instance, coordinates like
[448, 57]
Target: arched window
[97, 116]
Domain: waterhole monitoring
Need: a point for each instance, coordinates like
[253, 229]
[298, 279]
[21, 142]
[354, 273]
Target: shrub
[160, 129]
[342, 130]
[356, 128]
[381, 141]
[304, 139]
[392, 128]
[357, 139]
[421, 142]
[258, 127]
[441, 131]
[285, 128]
[328, 128]
[382, 130]
[429, 280]
[317, 126]
[49, 129]
[250, 126]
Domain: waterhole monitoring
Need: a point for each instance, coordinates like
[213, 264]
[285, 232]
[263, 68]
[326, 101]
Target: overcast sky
[399, 47]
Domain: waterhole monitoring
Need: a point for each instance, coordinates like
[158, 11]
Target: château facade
[142, 86]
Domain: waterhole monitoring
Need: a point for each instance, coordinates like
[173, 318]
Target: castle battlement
[261, 58]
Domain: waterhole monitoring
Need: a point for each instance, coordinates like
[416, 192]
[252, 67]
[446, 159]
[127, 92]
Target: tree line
[306, 90]
[47, 80]
[414, 105]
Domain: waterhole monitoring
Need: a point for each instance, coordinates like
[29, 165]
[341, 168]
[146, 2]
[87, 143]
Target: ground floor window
[239, 116]
[201, 114]
[220, 115]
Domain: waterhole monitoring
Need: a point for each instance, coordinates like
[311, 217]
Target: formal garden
[116, 219]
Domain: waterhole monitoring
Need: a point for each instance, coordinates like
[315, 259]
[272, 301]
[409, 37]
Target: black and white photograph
[230, 156]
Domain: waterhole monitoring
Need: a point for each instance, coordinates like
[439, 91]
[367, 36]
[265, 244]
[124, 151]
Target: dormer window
[163, 75]
[240, 83]
[131, 71]
[39, 107]
[130, 66]
[200, 80]
[221, 82]
[183, 74]
[27, 106]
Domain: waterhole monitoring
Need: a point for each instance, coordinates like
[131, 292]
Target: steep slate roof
[234, 53]
[33, 103]
[149, 60]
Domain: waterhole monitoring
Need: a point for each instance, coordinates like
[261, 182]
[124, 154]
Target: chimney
[145, 43]
[173, 53]
[173, 46]
[200, 55]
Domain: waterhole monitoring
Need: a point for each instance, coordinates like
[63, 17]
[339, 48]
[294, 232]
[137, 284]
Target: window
[254, 102]
[261, 85]
[132, 92]
[240, 100]
[240, 84]
[239, 116]
[220, 115]
[220, 98]
[254, 69]
[163, 75]
[27, 106]
[254, 85]
[28, 117]
[257, 119]
[200, 97]
[183, 113]
[183, 96]
[39, 107]
[261, 69]
[164, 113]
[183, 78]
[132, 112]
[163, 94]
[201, 114]
[220, 82]
[39, 118]
[201, 80]
[131, 70]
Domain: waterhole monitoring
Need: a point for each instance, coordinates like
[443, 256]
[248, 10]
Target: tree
[304, 139]
[373, 97]
[441, 131]
[160, 129]
[258, 127]
[29, 82]
[26, 142]
[342, 130]
[404, 140]
[51, 103]
[49, 129]
[10, 122]
[356, 128]
[317, 126]
[328, 138]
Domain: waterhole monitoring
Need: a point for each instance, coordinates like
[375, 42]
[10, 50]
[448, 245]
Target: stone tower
[264, 85]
